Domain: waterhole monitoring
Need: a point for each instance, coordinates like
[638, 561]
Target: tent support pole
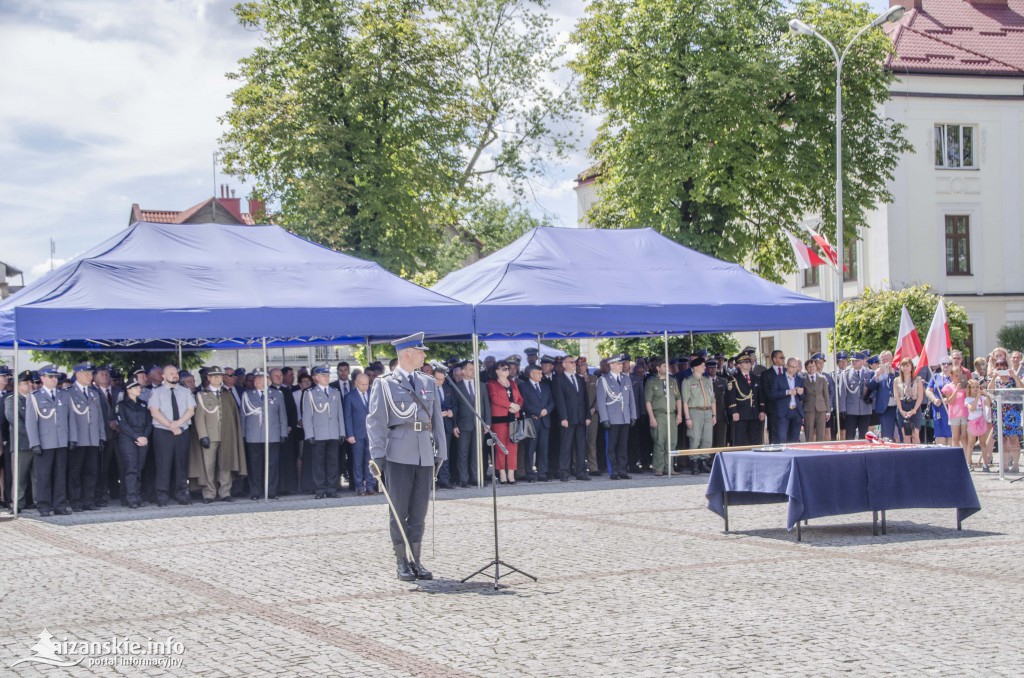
[180, 361]
[668, 410]
[266, 426]
[691, 342]
[16, 468]
[476, 404]
[369, 354]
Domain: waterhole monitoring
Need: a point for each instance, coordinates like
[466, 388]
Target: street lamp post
[797, 26]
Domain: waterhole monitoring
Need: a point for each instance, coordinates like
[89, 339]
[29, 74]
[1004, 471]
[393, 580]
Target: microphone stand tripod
[497, 562]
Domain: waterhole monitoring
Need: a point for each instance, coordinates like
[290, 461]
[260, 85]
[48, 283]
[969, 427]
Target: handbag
[521, 429]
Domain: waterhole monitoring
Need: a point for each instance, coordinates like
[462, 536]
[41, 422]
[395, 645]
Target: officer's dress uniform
[323, 421]
[48, 423]
[657, 392]
[134, 421]
[616, 409]
[25, 456]
[721, 431]
[254, 430]
[743, 398]
[409, 437]
[90, 422]
[852, 387]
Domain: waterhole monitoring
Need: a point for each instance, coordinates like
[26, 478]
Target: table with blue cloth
[828, 479]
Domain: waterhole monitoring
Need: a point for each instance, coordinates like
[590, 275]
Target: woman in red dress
[506, 403]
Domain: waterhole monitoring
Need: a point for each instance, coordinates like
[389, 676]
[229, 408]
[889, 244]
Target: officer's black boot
[421, 572]
[405, 571]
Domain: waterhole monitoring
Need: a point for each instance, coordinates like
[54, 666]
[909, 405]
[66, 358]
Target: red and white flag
[805, 256]
[937, 343]
[829, 251]
[909, 343]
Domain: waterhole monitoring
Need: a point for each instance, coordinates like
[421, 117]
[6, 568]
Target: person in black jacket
[136, 426]
[573, 406]
[538, 403]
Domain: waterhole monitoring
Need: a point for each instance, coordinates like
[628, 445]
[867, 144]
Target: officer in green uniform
[698, 396]
[661, 396]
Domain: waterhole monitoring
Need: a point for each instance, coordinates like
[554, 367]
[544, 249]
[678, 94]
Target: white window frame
[942, 142]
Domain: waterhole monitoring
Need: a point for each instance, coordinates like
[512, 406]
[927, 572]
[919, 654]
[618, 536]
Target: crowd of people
[160, 434]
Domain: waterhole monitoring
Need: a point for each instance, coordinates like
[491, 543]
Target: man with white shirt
[172, 407]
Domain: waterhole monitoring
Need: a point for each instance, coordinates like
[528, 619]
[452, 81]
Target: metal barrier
[1005, 397]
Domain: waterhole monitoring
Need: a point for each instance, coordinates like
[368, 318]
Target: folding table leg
[959, 523]
[874, 523]
[725, 510]
[884, 529]
[799, 536]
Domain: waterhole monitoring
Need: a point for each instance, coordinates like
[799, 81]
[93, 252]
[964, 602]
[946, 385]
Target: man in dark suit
[465, 423]
[573, 408]
[356, 407]
[538, 402]
[881, 386]
[787, 393]
[777, 370]
[343, 383]
[449, 412]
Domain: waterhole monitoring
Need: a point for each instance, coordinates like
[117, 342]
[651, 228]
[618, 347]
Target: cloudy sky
[107, 103]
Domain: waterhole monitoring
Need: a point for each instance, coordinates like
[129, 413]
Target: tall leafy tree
[380, 126]
[719, 127]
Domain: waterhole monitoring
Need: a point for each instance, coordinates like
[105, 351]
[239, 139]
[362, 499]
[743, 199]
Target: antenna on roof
[53, 251]
[214, 205]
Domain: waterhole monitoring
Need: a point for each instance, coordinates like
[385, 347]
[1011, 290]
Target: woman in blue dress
[1004, 377]
[940, 415]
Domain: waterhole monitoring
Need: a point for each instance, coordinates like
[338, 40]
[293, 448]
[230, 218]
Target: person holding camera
[1004, 377]
[909, 394]
[884, 395]
[940, 415]
[954, 394]
[977, 403]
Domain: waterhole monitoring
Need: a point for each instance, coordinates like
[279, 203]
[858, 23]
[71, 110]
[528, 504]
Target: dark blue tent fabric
[220, 286]
[596, 282]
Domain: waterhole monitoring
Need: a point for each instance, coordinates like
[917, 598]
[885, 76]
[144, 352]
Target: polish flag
[937, 343]
[829, 251]
[909, 343]
[805, 256]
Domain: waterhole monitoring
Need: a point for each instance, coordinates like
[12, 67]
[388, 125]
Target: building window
[850, 262]
[954, 146]
[958, 244]
[767, 346]
[812, 278]
[813, 343]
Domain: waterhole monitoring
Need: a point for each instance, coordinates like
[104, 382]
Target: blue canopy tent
[163, 286]
[166, 286]
[568, 282]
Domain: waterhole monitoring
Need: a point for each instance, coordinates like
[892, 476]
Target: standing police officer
[744, 403]
[405, 428]
[254, 409]
[616, 409]
[50, 433]
[323, 421]
[25, 457]
[90, 421]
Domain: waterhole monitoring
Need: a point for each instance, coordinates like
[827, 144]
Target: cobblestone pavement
[636, 578]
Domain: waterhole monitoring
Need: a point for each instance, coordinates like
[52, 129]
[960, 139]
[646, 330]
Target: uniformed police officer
[254, 410]
[25, 456]
[5, 447]
[323, 421]
[405, 428]
[89, 419]
[616, 408]
[134, 432]
[662, 396]
[852, 388]
[699, 412]
[50, 432]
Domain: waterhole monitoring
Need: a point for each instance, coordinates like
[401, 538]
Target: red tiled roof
[180, 217]
[958, 37]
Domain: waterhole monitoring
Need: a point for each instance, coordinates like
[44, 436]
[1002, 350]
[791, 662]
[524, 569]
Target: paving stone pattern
[636, 578]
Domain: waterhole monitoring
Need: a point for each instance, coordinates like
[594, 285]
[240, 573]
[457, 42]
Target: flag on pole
[805, 256]
[909, 343]
[937, 343]
[827, 248]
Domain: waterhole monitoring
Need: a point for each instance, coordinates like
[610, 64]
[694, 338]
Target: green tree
[719, 127]
[872, 321]
[125, 361]
[1011, 336]
[677, 346]
[379, 126]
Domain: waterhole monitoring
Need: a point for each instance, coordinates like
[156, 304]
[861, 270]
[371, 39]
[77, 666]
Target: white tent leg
[266, 426]
[476, 404]
[16, 468]
[668, 410]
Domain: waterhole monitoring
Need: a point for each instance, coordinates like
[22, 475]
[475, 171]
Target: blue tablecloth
[817, 483]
